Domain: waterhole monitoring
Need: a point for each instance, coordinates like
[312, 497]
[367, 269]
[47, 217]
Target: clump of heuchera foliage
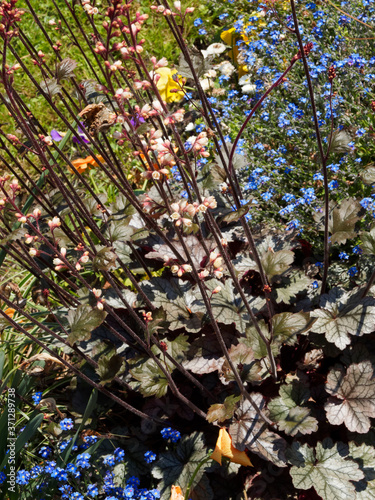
[161, 284]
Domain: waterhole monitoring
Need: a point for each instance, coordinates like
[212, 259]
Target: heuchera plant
[156, 290]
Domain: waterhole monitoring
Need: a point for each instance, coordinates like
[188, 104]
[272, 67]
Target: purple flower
[55, 135]
[137, 120]
[82, 135]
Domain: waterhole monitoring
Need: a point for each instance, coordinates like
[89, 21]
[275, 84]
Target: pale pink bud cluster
[22, 219]
[180, 270]
[176, 117]
[100, 301]
[54, 223]
[117, 65]
[199, 144]
[91, 11]
[123, 94]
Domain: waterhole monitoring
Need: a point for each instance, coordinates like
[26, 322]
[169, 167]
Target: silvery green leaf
[352, 400]
[368, 174]
[227, 305]
[249, 431]
[327, 469]
[364, 455]
[342, 314]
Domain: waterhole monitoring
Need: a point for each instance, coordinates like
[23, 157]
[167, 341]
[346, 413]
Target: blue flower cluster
[170, 434]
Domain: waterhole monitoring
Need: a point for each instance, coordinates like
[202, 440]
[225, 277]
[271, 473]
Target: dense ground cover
[187, 250]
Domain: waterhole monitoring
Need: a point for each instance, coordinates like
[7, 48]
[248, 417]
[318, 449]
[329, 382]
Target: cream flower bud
[175, 216]
[175, 269]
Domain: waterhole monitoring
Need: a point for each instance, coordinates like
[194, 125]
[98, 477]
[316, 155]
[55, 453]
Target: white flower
[215, 49]
[190, 127]
[206, 84]
[211, 73]
[249, 88]
[244, 80]
[226, 68]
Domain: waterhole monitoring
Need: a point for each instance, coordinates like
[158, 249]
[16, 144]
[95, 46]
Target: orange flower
[225, 448]
[176, 493]
[82, 164]
[10, 312]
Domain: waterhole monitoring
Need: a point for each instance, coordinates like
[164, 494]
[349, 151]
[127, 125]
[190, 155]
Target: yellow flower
[82, 164]
[176, 493]
[225, 448]
[166, 84]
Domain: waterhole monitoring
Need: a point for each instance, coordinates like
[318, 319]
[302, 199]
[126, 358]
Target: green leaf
[104, 260]
[150, 380]
[237, 214]
[222, 412]
[364, 455]
[113, 300]
[109, 366]
[368, 242]
[17, 234]
[176, 348]
[227, 305]
[353, 401]
[291, 285]
[178, 465]
[254, 340]
[250, 431]
[83, 321]
[326, 469]
[2, 361]
[342, 314]
[176, 297]
[205, 354]
[341, 220]
[249, 368]
[274, 263]
[287, 412]
[287, 326]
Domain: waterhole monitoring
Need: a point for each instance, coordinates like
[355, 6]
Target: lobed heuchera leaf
[287, 412]
[228, 306]
[286, 327]
[368, 174]
[353, 396]
[108, 366]
[341, 220]
[250, 431]
[83, 321]
[195, 250]
[274, 263]
[176, 297]
[225, 411]
[176, 348]
[327, 469]
[364, 455]
[65, 69]
[291, 285]
[177, 465]
[342, 314]
[368, 242]
[205, 354]
[104, 260]
[250, 369]
[149, 378]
